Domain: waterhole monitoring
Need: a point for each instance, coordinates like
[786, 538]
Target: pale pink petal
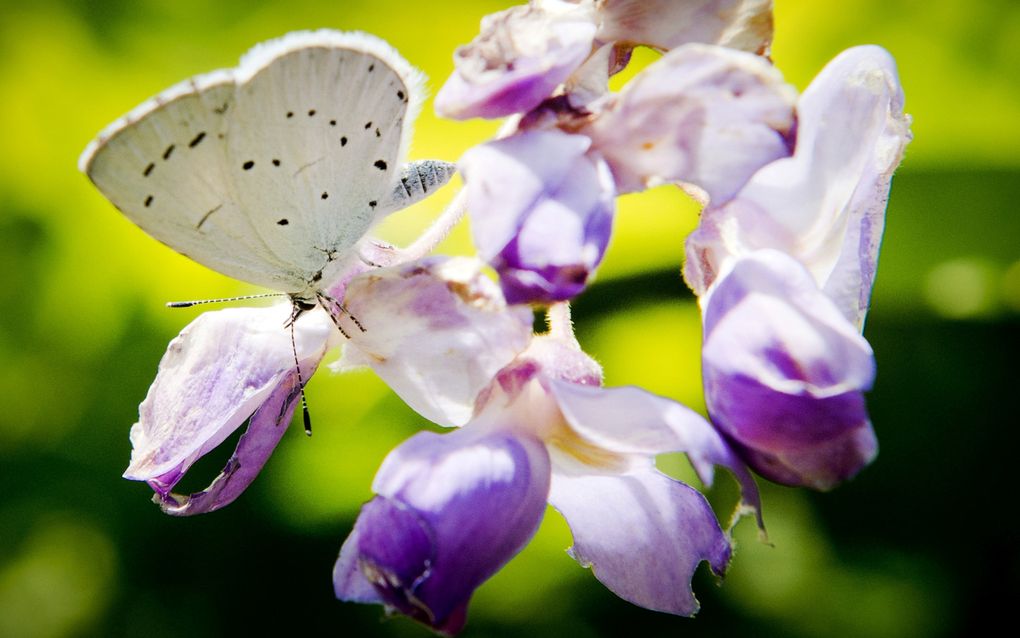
[643, 535]
[666, 24]
[436, 331]
[825, 205]
[701, 115]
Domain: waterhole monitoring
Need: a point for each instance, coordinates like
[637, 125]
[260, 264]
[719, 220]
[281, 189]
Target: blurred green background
[922, 543]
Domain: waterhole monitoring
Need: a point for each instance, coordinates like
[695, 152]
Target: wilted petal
[519, 58]
[666, 24]
[541, 212]
[436, 331]
[785, 373]
[702, 115]
[643, 534]
[629, 420]
[451, 510]
[222, 368]
[825, 205]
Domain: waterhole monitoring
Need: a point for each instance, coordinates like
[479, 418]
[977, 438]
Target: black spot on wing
[283, 222]
[372, 204]
[311, 112]
[276, 162]
[381, 165]
[198, 140]
[377, 133]
[169, 150]
[368, 125]
[371, 67]
[325, 195]
[332, 122]
[343, 141]
[248, 165]
[290, 114]
[400, 95]
[148, 169]
[148, 201]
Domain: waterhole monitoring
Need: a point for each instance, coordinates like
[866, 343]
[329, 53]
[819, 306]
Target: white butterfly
[272, 172]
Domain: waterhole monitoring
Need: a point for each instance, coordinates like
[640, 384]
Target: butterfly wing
[271, 172]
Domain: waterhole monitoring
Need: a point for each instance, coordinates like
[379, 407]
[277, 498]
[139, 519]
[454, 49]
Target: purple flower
[223, 368]
[452, 509]
[541, 210]
[785, 373]
[519, 58]
[526, 54]
[784, 270]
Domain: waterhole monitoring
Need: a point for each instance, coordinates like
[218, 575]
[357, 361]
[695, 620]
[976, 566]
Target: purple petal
[702, 115]
[541, 212]
[785, 373]
[630, 420]
[265, 430]
[643, 534]
[224, 367]
[436, 331]
[452, 510]
[825, 205]
[666, 24]
[518, 60]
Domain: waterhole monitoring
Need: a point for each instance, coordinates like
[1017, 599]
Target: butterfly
[274, 171]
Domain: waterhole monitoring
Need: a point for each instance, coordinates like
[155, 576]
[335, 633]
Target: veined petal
[629, 420]
[220, 370]
[666, 24]
[785, 373]
[451, 510]
[825, 205]
[702, 115]
[436, 330]
[541, 211]
[521, 55]
[643, 534]
[266, 428]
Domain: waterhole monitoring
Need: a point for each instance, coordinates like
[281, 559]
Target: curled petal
[265, 430]
[785, 373]
[541, 211]
[436, 330]
[224, 367]
[451, 510]
[629, 420]
[825, 205]
[519, 58]
[643, 534]
[666, 24]
[701, 115]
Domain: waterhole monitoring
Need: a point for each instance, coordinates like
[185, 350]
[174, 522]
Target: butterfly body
[273, 172]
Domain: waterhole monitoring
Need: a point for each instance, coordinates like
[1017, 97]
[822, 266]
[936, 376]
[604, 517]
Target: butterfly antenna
[327, 301]
[305, 414]
[188, 304]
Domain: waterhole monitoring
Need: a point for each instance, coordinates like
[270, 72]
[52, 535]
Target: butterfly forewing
[271, 172]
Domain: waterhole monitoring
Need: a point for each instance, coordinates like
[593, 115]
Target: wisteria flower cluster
[793, 188]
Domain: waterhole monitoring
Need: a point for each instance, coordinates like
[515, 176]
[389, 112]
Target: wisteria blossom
[705, 117]
[785, 271]
[451, 509]
[783, 261]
